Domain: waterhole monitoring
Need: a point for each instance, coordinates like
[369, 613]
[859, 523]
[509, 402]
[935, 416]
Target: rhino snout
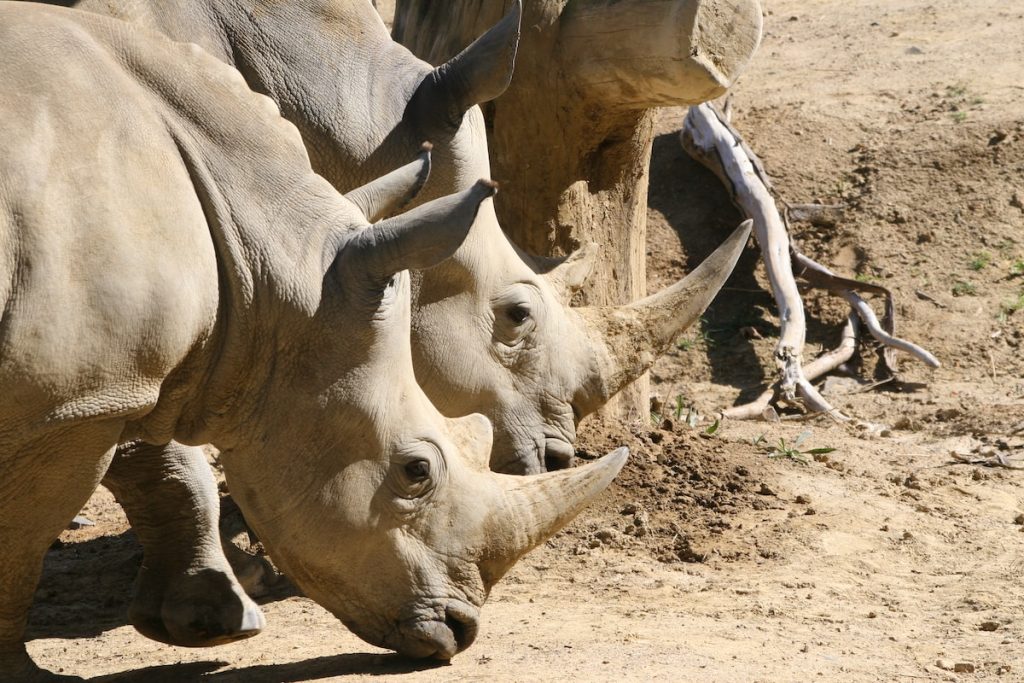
[436, 638]
[558, 454]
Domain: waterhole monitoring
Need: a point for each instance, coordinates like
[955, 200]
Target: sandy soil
[884, 559]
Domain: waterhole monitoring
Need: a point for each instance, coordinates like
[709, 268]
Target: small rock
[840, 386]
[802, 499]
[1019, 519]
[963, 668]
[872, 615]
[1004, 669]
[914, 50]
[944, 664]
[765, 490]
[988, 626]
[997, 137]
[604, 535]
[628, 509]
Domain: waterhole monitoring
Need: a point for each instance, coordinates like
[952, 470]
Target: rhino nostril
[558, 455]
[463, 626]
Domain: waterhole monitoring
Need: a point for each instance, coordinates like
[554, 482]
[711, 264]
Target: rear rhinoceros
[492, 329]
[170, 267]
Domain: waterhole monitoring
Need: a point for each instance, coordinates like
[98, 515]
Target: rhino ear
[474, 438]
[478, 74]
[386, 195]
[420, 238]
[567, 275]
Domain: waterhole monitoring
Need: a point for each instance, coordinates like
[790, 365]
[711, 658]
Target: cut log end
[641, 54]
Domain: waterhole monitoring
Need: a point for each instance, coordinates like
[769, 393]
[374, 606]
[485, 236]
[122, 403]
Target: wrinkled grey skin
[173, 269]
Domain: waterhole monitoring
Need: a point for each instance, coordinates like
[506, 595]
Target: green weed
[791, 451]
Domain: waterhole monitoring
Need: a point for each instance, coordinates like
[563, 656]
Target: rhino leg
[186, 592]
[42, 485]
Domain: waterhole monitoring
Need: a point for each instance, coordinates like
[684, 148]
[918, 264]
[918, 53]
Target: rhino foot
[200, 609]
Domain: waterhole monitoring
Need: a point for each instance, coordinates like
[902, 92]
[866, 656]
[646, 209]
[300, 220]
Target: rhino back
[109, 273]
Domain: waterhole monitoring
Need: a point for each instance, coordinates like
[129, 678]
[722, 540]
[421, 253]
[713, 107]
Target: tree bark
[570, 139]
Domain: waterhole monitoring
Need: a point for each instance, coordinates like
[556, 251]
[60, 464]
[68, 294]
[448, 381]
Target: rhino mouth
[439, 637]
[549, 453]
[558, 454]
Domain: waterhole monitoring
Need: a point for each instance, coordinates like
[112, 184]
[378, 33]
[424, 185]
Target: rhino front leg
[186, 592]
[43, 483]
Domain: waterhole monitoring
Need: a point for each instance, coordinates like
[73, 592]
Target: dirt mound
[678, 495]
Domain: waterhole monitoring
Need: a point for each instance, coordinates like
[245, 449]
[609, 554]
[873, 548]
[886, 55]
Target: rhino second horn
[636, 334]
[538, 506]
[478, 74]
[386, 195]
[421, 237]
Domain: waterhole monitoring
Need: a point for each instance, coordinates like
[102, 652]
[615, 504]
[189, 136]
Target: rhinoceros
[172, 268]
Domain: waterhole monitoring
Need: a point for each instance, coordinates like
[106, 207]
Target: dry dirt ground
[885, 559]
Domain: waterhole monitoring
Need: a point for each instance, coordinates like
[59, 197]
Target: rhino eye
[518, 314]
[417, 470]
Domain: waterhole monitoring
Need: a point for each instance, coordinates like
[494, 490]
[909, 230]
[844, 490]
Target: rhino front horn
[536, 507]
[636, 334]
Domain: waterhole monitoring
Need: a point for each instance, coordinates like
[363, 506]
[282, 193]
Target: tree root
[708, 137]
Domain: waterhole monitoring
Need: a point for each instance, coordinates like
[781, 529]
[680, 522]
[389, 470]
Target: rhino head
[377, 506]
[493, 331]
[503, 340]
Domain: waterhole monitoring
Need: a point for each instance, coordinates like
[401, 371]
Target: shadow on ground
[318, 668]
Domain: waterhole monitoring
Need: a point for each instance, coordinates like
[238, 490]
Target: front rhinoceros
[172, 268]
[492, 329]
